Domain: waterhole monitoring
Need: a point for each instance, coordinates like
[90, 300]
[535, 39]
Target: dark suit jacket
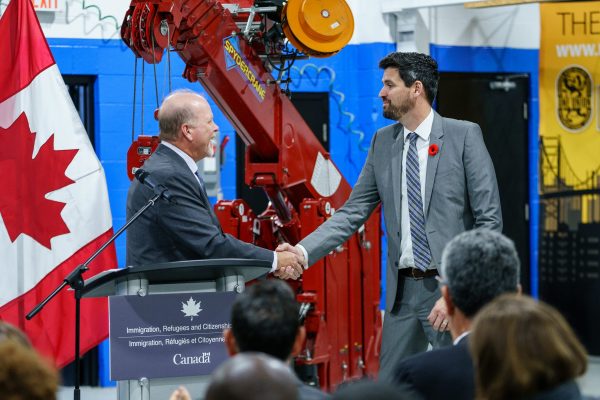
[186, 229]
[446, 373]
[306, 392]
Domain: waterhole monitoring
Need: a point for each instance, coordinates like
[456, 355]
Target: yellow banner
[569, 91]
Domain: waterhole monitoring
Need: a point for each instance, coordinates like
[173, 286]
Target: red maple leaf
[26, 181]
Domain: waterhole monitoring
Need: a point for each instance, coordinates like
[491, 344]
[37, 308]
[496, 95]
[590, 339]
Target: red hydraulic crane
[232, 50]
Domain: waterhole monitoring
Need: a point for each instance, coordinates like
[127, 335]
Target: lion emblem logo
[574, 91]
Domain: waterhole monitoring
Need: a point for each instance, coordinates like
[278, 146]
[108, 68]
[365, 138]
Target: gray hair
[171, 118]
[478, 266]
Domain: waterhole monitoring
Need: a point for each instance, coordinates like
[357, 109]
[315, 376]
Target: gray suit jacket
[461, 193]
[186, 229]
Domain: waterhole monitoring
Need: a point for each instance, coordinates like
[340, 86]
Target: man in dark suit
[186, 228]
[477, 266]
[435, 179]
[265, 318]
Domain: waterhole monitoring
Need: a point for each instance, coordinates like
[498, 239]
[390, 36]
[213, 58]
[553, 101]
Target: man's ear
[230, 342]
[418, 88]
[448, 299]
[300, 336]
[184, 130]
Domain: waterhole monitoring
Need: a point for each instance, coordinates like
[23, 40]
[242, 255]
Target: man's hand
[293, 249]
[289, 265]
[180, 394]
[438, 317]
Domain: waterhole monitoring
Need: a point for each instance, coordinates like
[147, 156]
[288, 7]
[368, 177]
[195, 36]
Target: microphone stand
[75, 281]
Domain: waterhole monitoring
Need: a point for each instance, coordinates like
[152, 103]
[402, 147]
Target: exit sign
[48, 5]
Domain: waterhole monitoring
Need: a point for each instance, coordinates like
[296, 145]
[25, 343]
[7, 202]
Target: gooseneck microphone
[144, 177]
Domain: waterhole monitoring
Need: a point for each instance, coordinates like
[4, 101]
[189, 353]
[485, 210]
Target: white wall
[370, 24]
[508, 26]
[75, 21]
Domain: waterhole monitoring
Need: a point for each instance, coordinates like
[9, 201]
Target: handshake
[290, 262]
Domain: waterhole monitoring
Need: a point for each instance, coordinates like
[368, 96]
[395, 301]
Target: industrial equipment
[239, 52]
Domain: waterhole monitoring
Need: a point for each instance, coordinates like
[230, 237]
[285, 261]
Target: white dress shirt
[423, 131]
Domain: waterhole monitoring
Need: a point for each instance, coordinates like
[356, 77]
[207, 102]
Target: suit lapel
[397, 149]
[435, 138]
[164, 150]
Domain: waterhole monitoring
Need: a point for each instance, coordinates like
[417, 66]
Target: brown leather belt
[416, 273]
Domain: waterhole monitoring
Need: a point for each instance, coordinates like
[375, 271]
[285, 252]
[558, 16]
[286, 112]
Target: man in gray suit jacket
[186, 228]
[435, 179]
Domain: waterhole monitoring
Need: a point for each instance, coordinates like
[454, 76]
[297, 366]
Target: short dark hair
[265, 318]
[414, 67]
[478, 266]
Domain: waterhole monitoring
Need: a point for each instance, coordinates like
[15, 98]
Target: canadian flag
[54, 210]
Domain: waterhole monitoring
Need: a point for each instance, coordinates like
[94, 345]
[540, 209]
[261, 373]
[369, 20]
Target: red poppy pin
[433, 149]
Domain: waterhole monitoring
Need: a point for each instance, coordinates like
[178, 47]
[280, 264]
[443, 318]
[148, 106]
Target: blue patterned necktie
[420, 247]
[205, 197]
[202, 188]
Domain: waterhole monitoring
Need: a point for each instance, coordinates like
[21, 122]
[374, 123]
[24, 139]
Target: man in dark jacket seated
[477, 266]
[265, 318]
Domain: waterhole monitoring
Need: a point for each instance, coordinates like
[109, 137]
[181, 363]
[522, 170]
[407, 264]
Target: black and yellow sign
[569, 76]
[234, 59]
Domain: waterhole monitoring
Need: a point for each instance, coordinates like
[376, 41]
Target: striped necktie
[420, 247]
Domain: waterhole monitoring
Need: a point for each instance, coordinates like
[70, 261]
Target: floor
[589, 383]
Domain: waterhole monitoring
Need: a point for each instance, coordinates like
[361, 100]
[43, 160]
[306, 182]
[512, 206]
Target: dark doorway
[314, 108]
[81, 90]
[498, 103]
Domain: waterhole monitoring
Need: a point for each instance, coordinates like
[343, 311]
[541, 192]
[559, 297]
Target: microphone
[144, 177]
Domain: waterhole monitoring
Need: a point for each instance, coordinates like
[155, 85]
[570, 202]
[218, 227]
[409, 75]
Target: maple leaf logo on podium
[29, 180]
[191, 308]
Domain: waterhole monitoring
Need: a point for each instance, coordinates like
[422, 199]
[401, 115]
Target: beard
[394, 112]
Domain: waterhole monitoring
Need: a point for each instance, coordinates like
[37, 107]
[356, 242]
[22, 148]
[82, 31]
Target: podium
[196, 276]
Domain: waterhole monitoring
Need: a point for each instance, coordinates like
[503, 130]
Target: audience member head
[9, 332]
[252, 376]
[365, 389]
[521, 347]
[186, 121]
[265, 318]
[24, 375]
[477, 266]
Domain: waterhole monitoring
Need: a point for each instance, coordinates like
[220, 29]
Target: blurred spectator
[181, 393]
[24, 375]
[523, 349]
[265, 318]
[252, 376]
[477, 266]
[369, 390]
[8, 331]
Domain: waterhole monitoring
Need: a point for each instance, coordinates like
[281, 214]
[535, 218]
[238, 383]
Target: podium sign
[168, 335]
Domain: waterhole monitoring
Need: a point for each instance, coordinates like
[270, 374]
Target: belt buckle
[412, 273]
